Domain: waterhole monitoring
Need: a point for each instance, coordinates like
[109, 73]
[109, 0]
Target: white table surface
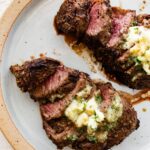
[4, 145]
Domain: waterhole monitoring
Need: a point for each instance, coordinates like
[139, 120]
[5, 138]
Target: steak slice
[104, 34]
[33, 73]
[64, 132]
[53, 83]
[56, 110]
[121, 21]
[73, 17]
[100, 21]
[126, 124]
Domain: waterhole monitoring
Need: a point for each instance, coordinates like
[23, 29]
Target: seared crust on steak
[104, 34]
[73, 17]
[58, 127]
[33, 73]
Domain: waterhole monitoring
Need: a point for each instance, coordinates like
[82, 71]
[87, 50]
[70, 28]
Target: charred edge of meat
[58, 131]
[73, 20]
[33, 73]
[56, 109]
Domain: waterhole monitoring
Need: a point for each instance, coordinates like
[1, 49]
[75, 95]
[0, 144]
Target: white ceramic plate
[33, 33]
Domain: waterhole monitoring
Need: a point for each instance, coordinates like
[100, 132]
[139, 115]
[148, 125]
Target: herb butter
[87, 113]
[138, 43]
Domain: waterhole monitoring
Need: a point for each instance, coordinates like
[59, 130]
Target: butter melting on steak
[58, 123]
[104, 30]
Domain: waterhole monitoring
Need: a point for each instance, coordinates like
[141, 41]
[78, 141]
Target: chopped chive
[134, 23]
[98, 98]
[92, 138]
[72, 137]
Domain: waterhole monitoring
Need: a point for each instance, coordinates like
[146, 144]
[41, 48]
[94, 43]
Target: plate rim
[7, 126]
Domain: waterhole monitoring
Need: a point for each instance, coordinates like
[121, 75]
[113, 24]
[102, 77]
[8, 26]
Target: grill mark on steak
[56, 109]
[33, 73]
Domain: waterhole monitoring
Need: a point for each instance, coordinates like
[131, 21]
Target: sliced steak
[33, 73]
[100, 21]
[126, 124]
[73, 17]
[121, 21]
[104, 34]
[67, 87]
[107, 93]
[61, 129]
[55, 110]
[51, 85]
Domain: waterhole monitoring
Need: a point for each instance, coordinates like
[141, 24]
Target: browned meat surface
[73, 17]
[33, 73]
[104, 34]
[100, 21]
[59, 128]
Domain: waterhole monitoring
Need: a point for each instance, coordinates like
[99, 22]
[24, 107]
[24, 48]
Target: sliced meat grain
[121, 21]
[56, 109]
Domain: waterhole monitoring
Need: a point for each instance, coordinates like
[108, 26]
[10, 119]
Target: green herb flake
[81, 130]
[107, 127]
[98, 98]
[115, 108]
[136, 60]
[85, 104]
[136, 30]
[92, 138]
[134, 23]
[72, 137]
[148, 47]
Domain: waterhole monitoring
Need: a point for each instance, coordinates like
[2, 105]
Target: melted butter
[87, 113]
[138, 43]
